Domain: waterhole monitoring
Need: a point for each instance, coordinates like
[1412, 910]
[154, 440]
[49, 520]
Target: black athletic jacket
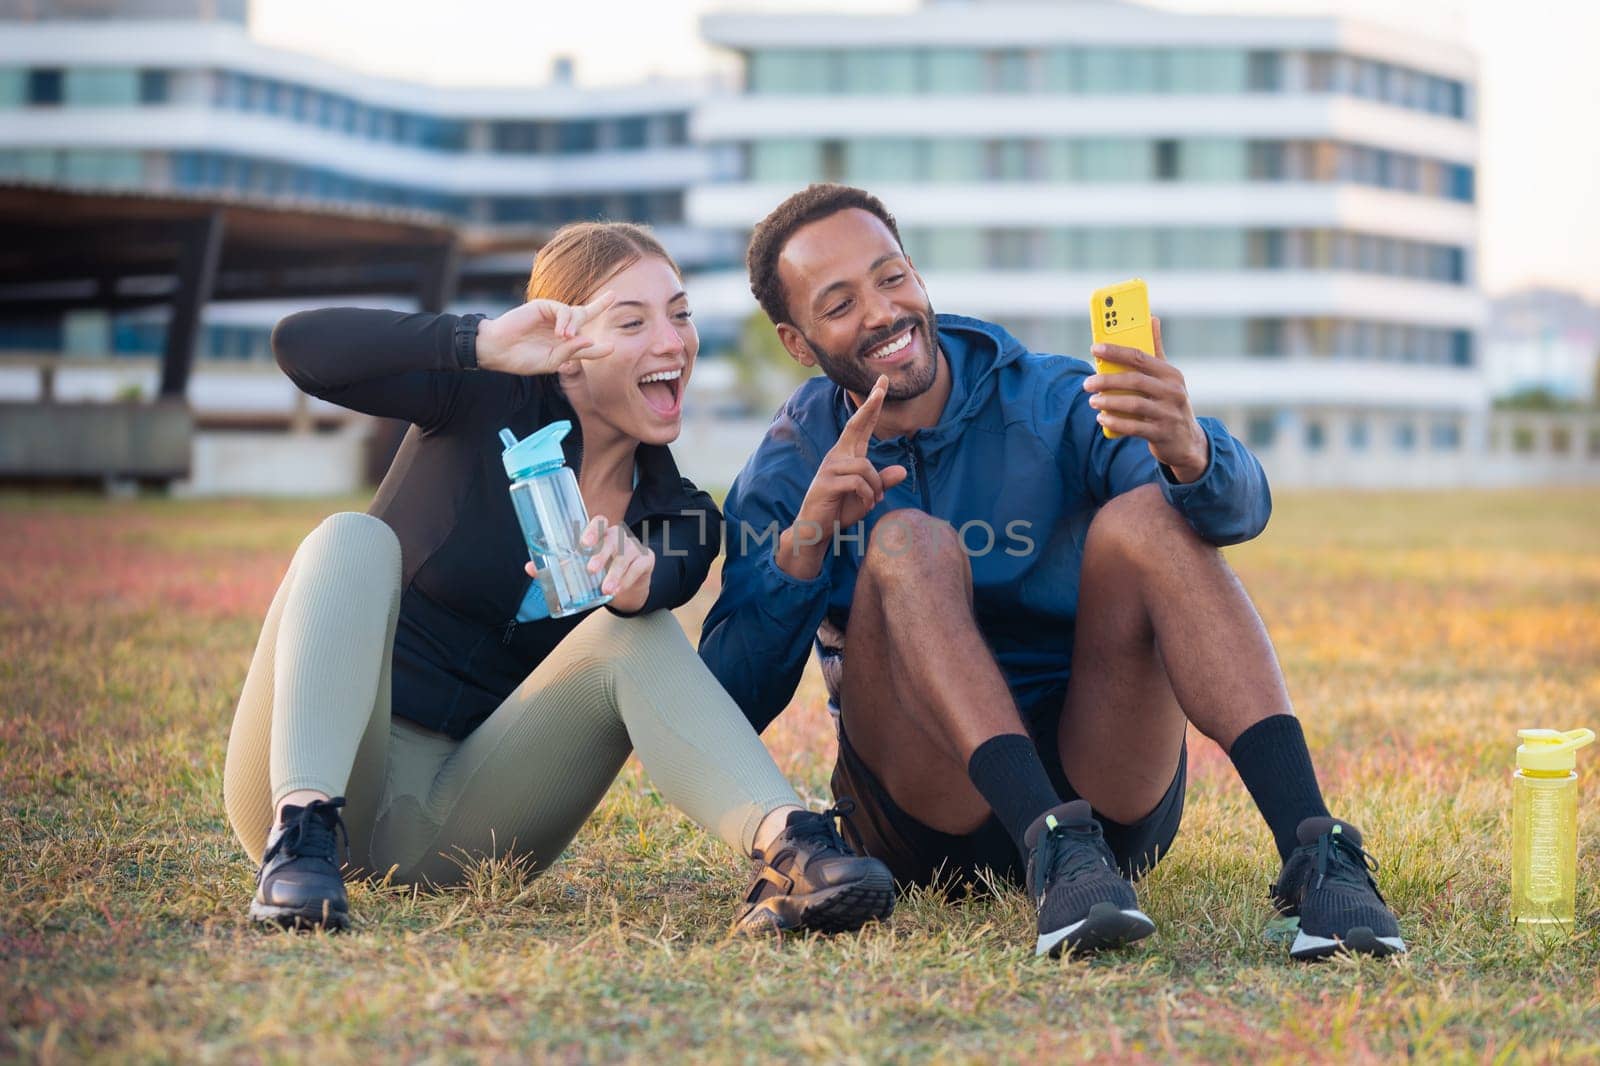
[458, 650]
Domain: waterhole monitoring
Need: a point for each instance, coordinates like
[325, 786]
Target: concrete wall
[111, 441]
[277, 464]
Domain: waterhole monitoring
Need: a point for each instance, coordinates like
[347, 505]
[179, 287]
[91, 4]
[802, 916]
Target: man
[1016, 616]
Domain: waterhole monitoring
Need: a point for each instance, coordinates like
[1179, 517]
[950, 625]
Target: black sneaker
[299, 886]
[1085, 904]
[810, 879]
[1326, 883]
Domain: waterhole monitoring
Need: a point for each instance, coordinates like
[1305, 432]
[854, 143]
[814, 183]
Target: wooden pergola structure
[66, 250]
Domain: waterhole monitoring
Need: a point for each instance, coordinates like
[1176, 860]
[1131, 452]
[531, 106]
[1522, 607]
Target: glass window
[13, 87]
[1261, 429]
[1212, 159]
[632, 132]
[1264, 249]
[1166, 161]
[579, 136]
[955, 160]
[1266, 337]
[790, 70]
[1207, 70]
[154, 87]
[1009, 72]
[101, 167]
[1263, 71]
[1011, 249]
[880, 71]
[1357, 435]
[832, 160]
[45, 86]
[1102, 70]
[1316, 435]
[955, 70]
[1266, 160]
[955, 248]
[1146, 71]
[785, 160]
[1320, 71]
[1058, 249]
[1058, 160]
[883, 159]
[1107, 159]
[1445, 435]
[1008, 160]
[1405, 436]
[1059, 71]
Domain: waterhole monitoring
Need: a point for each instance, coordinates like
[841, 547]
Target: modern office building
[173, 97]
[1299, 192]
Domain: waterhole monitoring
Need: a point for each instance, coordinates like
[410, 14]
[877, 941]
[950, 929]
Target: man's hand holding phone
[1149, 399]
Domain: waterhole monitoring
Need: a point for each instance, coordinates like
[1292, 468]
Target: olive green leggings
[421, 807]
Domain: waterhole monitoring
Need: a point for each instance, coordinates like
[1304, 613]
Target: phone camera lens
[1108, 301]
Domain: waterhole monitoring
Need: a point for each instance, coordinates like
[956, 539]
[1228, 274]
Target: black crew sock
[1275, 766]
[1007, 771]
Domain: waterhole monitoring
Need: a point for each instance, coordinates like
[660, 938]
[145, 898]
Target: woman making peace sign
[408, 671]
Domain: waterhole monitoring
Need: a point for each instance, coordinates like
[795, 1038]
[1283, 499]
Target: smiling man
[1017, 618]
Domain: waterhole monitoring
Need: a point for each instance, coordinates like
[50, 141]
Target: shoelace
[1345, 861]
[1062, 859]
[820, 829]
[312, 832]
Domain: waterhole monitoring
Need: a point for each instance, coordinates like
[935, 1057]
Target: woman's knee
[353, 539]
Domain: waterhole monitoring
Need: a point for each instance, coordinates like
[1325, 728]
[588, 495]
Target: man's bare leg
[921, 691]
[1167, 635]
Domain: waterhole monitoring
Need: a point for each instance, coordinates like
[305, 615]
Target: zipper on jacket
[914, 468]
[511, 628]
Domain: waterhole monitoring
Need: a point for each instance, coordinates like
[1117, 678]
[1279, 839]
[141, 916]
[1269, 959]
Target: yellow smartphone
[1120, 314]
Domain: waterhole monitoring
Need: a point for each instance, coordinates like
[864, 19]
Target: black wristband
[466, 341]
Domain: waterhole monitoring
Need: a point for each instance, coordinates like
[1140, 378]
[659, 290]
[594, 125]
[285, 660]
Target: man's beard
[855, 371]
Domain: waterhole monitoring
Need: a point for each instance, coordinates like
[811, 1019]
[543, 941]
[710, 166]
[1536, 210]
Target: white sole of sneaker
[1359, 942]
[1106, 926]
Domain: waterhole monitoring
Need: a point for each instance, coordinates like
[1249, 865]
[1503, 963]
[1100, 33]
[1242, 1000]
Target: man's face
[856, 306]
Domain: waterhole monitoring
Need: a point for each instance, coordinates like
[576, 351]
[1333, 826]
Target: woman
[408, 671]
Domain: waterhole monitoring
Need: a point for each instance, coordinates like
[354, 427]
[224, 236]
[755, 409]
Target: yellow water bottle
[1544, 831]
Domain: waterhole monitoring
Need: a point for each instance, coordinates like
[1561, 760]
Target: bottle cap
[539, 449]
[1551, 750]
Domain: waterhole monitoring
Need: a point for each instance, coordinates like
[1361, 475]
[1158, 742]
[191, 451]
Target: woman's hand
[540, 336]
[626, 563]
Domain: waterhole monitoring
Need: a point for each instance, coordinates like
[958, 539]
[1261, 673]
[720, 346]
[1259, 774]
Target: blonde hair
[582, 256]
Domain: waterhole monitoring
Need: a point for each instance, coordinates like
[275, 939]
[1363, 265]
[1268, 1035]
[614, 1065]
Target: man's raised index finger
[859, 429]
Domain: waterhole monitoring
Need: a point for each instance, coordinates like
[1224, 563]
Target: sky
[1539, 120]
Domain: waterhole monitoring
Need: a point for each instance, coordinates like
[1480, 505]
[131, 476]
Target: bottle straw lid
[1551, 750]
[540, 448]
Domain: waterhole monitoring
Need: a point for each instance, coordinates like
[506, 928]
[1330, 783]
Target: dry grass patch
[1418, 633]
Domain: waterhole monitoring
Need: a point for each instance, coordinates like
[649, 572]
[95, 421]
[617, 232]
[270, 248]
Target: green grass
[1418, 632]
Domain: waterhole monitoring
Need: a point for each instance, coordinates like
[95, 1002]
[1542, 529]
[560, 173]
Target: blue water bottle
[550, 510]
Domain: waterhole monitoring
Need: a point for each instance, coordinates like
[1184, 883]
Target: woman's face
[638, 389]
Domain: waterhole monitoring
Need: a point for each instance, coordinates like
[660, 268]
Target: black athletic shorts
[919, 855]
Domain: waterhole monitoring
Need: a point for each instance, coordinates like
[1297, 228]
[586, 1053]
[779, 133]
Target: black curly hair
[772, 233]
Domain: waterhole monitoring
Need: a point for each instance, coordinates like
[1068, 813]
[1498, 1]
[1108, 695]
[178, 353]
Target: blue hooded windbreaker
[1017, 463]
